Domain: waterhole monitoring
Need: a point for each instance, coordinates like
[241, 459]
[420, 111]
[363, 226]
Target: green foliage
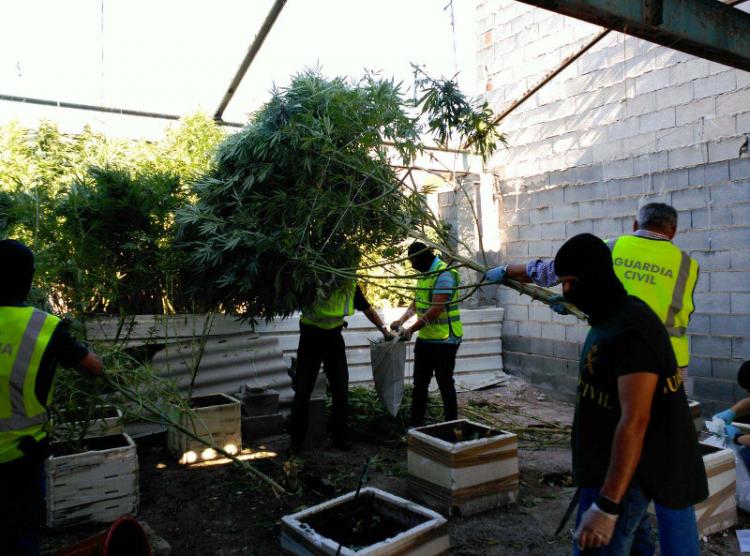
[299, 196]
[99, 212]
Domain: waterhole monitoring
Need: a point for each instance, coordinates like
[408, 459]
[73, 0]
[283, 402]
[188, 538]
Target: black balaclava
[421, 256]
[598, 292]
[16, 271]
[743, 376]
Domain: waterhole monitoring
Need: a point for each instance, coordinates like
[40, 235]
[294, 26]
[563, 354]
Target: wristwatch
[607, 506]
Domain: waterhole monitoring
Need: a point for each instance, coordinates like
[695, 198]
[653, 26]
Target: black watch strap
[606, 505]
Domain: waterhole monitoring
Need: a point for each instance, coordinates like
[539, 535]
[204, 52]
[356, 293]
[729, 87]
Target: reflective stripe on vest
[664, 277]
[449, 321]
[25, 333]
[330, 313]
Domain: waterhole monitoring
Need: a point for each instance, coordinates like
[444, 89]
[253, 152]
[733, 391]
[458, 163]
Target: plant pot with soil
[374, 523]
[93, 482]
[99, 420]
[464, 466]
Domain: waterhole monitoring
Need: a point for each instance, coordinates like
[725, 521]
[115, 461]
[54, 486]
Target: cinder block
[541, 346]
[674, 95]
[660, 119]
[719, 128]
[714, 389]
[710, 346]
[725, 369]
[715, 84]
[553, 230]
[710, 218]
[733, 103]
[515, 344]
[712, 303]
[259, 401]
[742, 122]
[717, 172]
[740, 302]
[518, 249]
[567, 350]
[729, 193]
[685, 199]
[730, 325]
[696, 110]
[516, 312]
[634, 187]
[261, 426]
[681, 136]
[675, 179]
[712, 260]
[692, 69]
[650, 163]
[726, 149]
[700, 324]
[539, 312]
[530, 329]
[692, 240]
[578, 227]
[740, 348]
[651, 81]
[553, 331]
[739, 168]
[741, 215]
[700, 366]
[618, 169]
[740, 259]
[686, 156]
[737, 235]
[565, 213]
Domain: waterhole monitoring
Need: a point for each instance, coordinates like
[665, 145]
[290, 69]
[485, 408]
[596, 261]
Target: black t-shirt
[64, 349]
[634, 340]
[360, 301]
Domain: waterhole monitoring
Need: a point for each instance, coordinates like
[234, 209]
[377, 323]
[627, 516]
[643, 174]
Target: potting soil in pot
[460, 432]
[356, 523]
[95, 443]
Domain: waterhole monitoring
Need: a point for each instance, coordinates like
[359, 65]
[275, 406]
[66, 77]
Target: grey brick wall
[630, 122]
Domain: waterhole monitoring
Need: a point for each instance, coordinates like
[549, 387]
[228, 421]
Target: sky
[179, 56]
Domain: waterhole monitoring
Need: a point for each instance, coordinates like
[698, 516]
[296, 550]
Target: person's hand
[596, 528]
[731, 432]
[727, 416]
[396, 325]
[388, 334]
[406, 334]
[556, 304]
[497, 274]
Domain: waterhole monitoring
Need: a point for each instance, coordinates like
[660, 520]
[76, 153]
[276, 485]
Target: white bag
[388, 359]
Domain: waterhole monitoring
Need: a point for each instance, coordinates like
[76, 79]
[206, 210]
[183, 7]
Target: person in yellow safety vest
[320, 340]
[440, 331]
[32, 343]
[650, 267]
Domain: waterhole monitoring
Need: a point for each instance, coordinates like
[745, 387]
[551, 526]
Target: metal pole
[104, 109]
[250, 56]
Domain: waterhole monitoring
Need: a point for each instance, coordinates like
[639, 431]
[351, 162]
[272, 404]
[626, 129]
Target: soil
[460, 432]
[93, 444]
[215, 509]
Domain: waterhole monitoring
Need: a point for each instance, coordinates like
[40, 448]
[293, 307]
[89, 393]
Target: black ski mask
[420, 256]
[598, 292]
[16, 272]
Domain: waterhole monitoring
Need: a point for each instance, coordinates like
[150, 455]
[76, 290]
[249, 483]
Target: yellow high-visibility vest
[664, 277]
[447, 321]
[329, 313]
[25, 333]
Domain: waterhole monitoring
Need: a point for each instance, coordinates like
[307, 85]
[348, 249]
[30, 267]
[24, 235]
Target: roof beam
[705, 28]
[250, 56]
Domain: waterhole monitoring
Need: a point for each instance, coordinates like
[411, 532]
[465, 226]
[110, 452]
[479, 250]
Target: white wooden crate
[217, 419]
[426, 531]
[109, 423]
[96, 486]
[474, 474]
[719, 511]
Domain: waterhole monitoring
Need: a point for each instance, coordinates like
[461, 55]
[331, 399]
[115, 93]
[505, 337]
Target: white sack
[388, 359]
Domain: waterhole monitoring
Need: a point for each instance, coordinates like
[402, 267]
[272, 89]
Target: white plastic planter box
[417, 531]
[217, 419]
[96, 486]
[464, 466]
[719, 511]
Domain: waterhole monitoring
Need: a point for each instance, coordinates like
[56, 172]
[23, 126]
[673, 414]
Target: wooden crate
[696, 413]
[96, 486]
[110, 422]
[719, 511]
[217, 419]
[471, 472]
[424, 532]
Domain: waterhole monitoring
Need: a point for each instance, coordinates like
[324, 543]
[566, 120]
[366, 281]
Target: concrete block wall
[629, 122]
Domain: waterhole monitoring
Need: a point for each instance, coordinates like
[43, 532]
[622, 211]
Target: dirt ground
[217, 510]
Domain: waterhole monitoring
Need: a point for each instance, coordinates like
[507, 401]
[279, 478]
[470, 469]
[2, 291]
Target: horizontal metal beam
[103, 109]
[705, 28]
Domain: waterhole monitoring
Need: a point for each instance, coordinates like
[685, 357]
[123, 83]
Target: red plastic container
[125, 537]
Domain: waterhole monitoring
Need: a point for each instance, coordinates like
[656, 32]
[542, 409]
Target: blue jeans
[678, 532]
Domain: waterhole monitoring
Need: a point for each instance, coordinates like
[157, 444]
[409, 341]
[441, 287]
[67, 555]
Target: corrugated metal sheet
[235, 354]
[478, 363]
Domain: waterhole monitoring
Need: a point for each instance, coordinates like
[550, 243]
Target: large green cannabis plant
[298, 196]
